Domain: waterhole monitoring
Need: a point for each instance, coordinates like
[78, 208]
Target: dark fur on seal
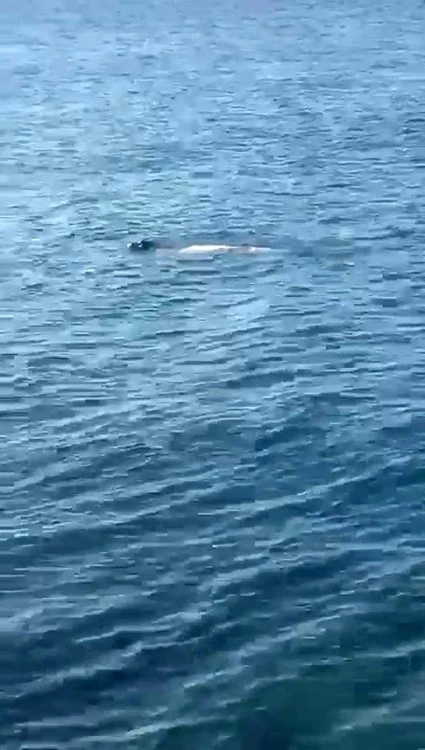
[142, 245]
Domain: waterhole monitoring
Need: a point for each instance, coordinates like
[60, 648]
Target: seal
[147, 245]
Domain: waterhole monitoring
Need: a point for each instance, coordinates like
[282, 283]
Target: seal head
[142, 245]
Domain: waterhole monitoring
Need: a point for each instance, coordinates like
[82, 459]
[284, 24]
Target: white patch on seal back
[205, 249]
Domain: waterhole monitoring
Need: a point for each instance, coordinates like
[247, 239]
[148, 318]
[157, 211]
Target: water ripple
[211, 512]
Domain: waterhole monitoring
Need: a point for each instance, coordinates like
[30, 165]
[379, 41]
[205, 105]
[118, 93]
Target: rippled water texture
[212, 468]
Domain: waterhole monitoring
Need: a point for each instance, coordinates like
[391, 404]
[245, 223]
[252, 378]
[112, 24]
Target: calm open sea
[212, 529]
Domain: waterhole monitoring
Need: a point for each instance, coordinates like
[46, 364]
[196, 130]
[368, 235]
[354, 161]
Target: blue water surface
[212, 529]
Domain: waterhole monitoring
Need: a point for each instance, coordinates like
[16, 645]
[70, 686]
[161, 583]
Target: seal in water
[151, 245]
